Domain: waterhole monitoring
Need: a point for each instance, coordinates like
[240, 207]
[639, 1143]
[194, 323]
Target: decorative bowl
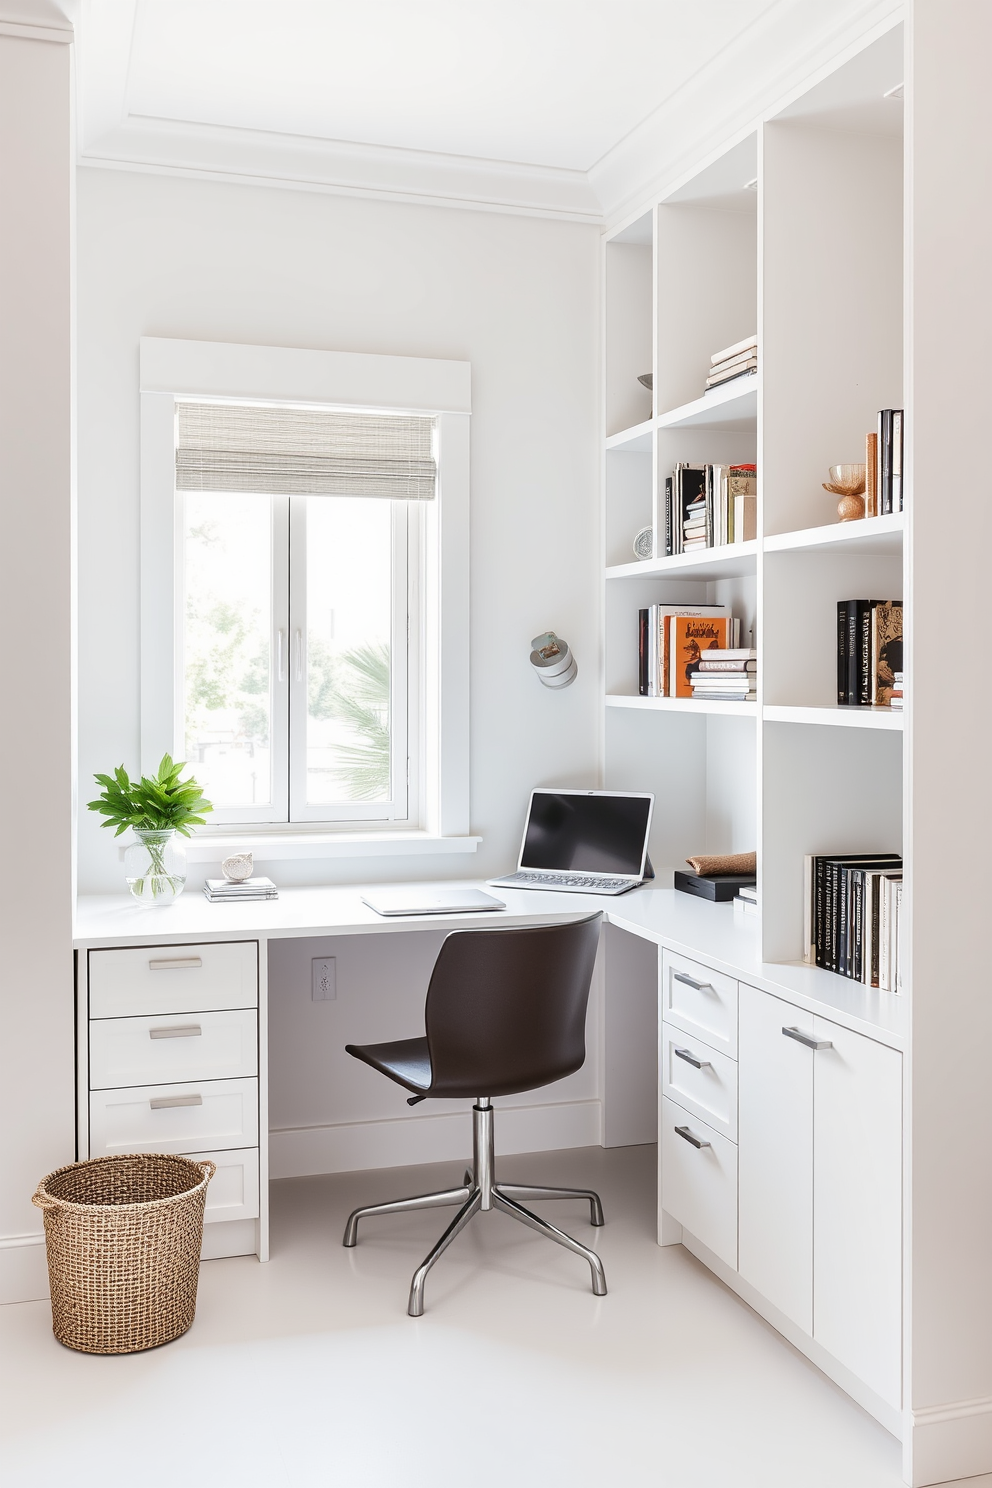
[846, 480]
[647, 380]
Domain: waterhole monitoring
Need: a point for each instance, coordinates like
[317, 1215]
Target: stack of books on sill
[852, 912]
[869, 651]
[739, 360]
[708, 506]
[672, 639]
[898, 693]
[884, 460]
[746, 900]
[729, 675]
[226, 890]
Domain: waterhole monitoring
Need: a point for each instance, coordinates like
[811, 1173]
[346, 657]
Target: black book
[842, 608]
[668, 516]
[642, 653]
[898, 420]
[689, 486]
[853, 650]
[866, 668]
[885, 460]
[827, 900]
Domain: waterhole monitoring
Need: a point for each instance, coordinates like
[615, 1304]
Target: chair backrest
[506, 1009]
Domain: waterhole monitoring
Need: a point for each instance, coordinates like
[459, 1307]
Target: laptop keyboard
[570, 880]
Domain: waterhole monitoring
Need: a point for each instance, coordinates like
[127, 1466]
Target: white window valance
[282, 451]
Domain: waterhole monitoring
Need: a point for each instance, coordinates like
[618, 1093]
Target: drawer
[175, 1118]
[232, 1192]
[699, 1079]
[699, 1184]
[699, 1001]
[165, 1049]
[173, 979]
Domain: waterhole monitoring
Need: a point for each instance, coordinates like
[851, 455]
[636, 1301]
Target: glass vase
[155, 867]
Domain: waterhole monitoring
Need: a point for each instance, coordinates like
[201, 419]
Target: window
[296, 600]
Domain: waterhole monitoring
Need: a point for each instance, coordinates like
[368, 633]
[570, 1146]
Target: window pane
[349, 619]
[227, 644]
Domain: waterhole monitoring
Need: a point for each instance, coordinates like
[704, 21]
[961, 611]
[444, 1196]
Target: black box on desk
[721, 888]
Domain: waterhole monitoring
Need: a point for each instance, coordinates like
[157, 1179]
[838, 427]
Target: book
[643, 664]
[884, 461]
[834, 908]
[687, 487]
[728, 653]
[668, 515]
[749, 354]
[871, 475]
[218, 889]
[718, 379]
[896, 462]
[722, 679]
[735, 350]
[689, 637]
[886, 649]
[745, 518]
[658, 618]
[735, 668]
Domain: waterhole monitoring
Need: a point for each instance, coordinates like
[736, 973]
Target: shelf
[873, 535]
[732, 407]
[634, 440]
[681, 705]
[835, 717]
[731, 561]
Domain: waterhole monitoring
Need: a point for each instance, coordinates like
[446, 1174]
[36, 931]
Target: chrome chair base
[479, 1192]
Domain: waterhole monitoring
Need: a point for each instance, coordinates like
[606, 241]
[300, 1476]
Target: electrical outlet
[324, 978]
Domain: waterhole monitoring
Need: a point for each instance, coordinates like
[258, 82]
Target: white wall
[515, 296]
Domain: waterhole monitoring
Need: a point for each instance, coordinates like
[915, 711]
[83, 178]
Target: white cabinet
[700, 1180]
[775, 1126]
[699, 1001]
[700, 1080]
[131, 980]
[159, 1050]
[820, 1163]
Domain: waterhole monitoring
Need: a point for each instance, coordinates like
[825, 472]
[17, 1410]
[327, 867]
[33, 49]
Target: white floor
[307, 1373]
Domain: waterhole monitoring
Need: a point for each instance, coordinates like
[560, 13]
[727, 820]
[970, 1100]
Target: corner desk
[779, 1166]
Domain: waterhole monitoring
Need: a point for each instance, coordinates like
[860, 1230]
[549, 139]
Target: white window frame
[172, 370]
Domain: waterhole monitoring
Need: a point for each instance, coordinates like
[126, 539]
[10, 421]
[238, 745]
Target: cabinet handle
[805, 1038]
[178, 1030]
[680, 976]
[176, 963]
[169, 1102]
[684, 1131]
[690, 1058]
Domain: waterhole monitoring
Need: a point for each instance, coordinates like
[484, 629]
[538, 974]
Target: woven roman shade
[305, 452]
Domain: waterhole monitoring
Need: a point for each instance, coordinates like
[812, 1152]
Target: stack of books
[708, 506]
[884, 462]
[852, 911]
[728, 675]
[746, 900]
[226, 890]
[671, 640]
[869, 651]
[898, 693]
[739, 360]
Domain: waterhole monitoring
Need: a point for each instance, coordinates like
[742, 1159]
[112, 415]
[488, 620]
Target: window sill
[277, 847]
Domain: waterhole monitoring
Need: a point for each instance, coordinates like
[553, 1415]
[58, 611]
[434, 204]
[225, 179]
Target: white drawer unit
[702, 1081]
[147, 980]
[168, 1048]
[700, 1180]
[699, 1001]
[181, 1118]
[232, 1193]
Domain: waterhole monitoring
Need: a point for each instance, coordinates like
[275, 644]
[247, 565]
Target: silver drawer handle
[176, 963]
[804, 1038]
[690, 1058]
[684, 1131]
[178, 1030]
[680, 976]
[169, 1102]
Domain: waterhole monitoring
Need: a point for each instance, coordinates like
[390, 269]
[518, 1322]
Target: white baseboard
[885, 1414]
[446, 1136]
[23, 1269]
[947, 1442]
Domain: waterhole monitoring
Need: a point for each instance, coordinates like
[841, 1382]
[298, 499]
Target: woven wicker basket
[123, 1236]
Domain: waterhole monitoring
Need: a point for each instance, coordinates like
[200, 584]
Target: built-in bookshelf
[751, 243]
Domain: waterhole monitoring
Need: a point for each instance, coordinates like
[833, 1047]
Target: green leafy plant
[162, 804]
[359, 696]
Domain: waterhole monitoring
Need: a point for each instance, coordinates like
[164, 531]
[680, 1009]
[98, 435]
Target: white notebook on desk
[411, 900]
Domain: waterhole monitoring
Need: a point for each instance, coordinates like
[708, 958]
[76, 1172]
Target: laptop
[584, 842]
[409, 899]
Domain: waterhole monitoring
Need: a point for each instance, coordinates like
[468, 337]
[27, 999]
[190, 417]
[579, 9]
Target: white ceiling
[549, 106]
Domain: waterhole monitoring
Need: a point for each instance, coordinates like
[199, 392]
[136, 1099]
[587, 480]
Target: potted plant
[155, 810]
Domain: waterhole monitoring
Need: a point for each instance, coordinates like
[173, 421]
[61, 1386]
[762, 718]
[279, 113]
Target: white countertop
[694, 927]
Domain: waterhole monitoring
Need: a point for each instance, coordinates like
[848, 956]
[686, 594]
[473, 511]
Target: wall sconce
[552, 660]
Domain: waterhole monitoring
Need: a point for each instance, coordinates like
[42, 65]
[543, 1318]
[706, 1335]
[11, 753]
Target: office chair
[505, 1012]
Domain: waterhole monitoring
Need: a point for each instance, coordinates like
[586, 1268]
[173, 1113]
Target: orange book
[871, 475]
[689, 637]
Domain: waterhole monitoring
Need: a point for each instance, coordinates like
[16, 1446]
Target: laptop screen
[587, 832]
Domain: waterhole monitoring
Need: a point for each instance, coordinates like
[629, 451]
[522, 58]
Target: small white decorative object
[552, 660]
[238, 867]
[644, 543]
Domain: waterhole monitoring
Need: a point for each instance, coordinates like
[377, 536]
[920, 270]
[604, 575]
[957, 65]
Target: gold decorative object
[848, 482]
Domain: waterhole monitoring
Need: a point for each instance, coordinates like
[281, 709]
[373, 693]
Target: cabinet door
[699, 1180]
[857, 1206]
[775, 1136]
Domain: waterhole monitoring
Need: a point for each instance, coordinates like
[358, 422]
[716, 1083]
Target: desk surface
[693, 927]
